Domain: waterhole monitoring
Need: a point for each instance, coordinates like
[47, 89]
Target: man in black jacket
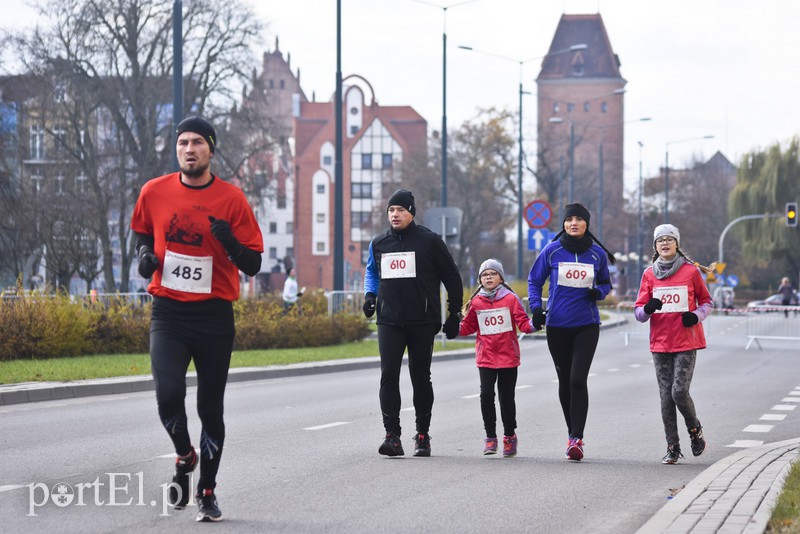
[405, 268]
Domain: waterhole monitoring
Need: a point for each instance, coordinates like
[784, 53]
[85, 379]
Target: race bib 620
[673, 298]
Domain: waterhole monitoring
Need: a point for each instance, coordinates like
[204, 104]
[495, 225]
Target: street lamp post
[666, 171]
[640, 222]
[520, 153]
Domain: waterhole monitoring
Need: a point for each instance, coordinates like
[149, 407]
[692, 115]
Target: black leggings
[572, 350]
[506, 383]
[392, 343]
[203, 332]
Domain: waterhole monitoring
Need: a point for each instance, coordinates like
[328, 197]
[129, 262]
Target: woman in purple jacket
[576, 264]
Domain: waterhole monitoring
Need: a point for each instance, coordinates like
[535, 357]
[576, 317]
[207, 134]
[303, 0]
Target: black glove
[369, 305]
[594, 294]
[689, 319]
[538, 318]
[221, 230]
[451, 325]
[148, 262]
[653, 305]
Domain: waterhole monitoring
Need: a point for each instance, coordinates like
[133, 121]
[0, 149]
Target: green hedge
[34, 326]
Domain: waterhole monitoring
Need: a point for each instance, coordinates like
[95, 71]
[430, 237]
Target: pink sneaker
[575, 449]
[509, 446]
[490, 446]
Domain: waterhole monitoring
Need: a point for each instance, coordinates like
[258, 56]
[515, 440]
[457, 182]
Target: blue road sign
[732, 280]
[538, 214]
[538, 238]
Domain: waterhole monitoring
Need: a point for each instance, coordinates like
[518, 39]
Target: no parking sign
[538, 214]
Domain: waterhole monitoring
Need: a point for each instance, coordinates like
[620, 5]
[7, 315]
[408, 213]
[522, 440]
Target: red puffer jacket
[496, 322]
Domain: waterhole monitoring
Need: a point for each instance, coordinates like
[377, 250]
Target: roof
[598, 60]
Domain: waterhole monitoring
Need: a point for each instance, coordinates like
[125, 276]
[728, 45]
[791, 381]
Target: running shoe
[490, 446]
[179, 489]
[509, 446]
[391, 446]
[422, 445]
[207, 507]
[673, 455]
[575, 449]
[696, 437]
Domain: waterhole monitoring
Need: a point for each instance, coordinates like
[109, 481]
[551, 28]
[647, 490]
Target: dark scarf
[579, 245]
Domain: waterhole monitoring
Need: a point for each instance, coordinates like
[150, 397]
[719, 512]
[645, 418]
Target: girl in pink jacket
[495, 312]
[674, 298]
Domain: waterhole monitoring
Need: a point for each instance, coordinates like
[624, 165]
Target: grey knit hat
[494, 265]
[666, 230]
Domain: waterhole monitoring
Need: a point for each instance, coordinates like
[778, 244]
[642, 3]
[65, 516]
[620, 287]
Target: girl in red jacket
[674, 298]
[495, 312]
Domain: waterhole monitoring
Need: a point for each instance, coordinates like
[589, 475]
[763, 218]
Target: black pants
[572, 350]
[506, 380]
[179, 333]
[392, 343]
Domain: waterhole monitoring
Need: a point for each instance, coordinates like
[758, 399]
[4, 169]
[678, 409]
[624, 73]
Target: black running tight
[392, 343]
[506, 384]
[572, 350]
[203, 332]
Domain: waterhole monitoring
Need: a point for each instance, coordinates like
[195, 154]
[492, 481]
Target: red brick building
[375, 140]
[582, 91]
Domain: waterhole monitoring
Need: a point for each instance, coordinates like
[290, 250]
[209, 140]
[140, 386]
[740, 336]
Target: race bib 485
[191, 274]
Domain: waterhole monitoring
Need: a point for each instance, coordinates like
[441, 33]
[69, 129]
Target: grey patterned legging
[674, 372]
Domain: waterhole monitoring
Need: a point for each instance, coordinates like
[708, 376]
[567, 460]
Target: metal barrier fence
[345, 302]
[635, 328]
[106, 299]
[778, 322]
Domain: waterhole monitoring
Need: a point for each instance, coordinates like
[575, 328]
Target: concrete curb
[736, 494]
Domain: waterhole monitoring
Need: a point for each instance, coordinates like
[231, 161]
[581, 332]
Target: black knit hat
[404, 198]
[575, 209]
[201, 127]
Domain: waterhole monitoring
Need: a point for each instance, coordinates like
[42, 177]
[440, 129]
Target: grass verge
[786, 515]
[115, 365]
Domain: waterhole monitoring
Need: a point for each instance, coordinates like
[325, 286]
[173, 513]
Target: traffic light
[791, 214]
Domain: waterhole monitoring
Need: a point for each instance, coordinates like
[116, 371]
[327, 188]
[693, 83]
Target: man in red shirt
[194, 233]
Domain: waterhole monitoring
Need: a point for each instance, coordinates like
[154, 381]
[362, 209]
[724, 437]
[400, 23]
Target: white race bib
[494, 321]
[575, 274]
[673, 298]
[398, 265]
[191, 274]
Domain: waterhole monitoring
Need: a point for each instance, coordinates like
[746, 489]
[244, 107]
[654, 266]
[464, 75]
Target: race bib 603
[494, 321]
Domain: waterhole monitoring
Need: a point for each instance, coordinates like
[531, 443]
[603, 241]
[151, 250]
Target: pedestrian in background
[194, 233]
[787, 293]
[290, 291]
[673, 296]
[495, 312]
[405, 268]
[576, 263]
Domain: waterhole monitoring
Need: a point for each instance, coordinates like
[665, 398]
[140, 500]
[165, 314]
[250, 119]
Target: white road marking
[471, 396]
[634, 365]
[9, 487]
[745, 443]
[772, 417]
[409, 409]
[784, 407]
[526, 386]
[758, 428]
[591, 375]
[613, 370]
[794, 392]
[170, 455]
[790, 399]
[328, 425]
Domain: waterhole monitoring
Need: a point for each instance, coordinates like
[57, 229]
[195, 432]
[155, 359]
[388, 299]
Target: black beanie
[575, 209]
[404, 198]
[201, 127]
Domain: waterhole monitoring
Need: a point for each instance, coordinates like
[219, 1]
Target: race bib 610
[398, 265]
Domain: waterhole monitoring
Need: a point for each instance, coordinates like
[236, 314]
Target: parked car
[772, 301]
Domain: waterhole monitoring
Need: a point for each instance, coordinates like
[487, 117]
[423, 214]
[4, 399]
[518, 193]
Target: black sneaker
[698, 443]
[179, 489]
[207, 507]
[673, 455]
[391, 446]
[422, 445]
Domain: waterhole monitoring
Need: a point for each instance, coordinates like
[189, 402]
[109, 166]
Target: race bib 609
[575, 274]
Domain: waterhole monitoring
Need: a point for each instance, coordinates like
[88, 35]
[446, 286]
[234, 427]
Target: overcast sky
[728, 68]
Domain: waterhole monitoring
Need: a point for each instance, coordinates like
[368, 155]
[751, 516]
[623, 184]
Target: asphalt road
[301, 452]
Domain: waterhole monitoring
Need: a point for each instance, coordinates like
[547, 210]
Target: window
[272, 84]
[320, 189]
[586, 107]
[283, 84]
[320, 217]
[353, 130]
[82, 183]
[570, 107]
[604, 107]
[37, 142]
[320, 246]
[388, 161]
[273, 253]
[59, 139]
[366, 161]
[273, 228]
[361, 190]
[290, 252]
[327, 160]
[289, 227]
[59, 185]
[555, 107]
[281, 199]
[359, 218]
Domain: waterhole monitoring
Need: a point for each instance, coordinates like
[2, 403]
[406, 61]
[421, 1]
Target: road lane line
[471, 396]
[783, 407]
[745, 443]
[9, 487]
[328, 425]
[772, 417]
[758, 428]
[790, 399]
